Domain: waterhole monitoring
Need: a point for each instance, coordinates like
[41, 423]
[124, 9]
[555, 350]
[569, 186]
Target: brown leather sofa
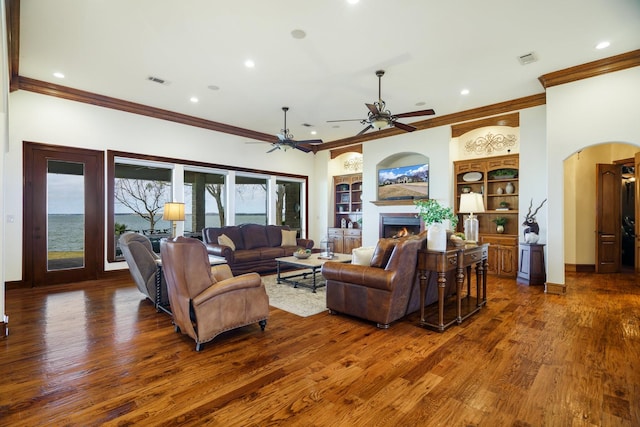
[254, 247]
[384, 291]
[205, 300]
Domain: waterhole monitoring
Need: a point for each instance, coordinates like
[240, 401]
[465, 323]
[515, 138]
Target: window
[204, 197]
[251, 200]
[138, 186]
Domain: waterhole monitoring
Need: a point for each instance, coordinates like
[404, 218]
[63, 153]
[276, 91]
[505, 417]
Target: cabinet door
[350, 243]
[493, 259]
[508, 257]
[336, 236]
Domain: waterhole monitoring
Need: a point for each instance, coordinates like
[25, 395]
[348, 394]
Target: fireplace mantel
[393, 202]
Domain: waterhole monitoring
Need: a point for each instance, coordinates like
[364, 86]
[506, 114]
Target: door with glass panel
[63, 214]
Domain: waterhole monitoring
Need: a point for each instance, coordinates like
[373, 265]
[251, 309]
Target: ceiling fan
[379, 117]
[285, 139]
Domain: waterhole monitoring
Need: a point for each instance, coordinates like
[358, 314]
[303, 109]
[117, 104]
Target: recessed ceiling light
[602, 45]
[464, 92]
[313, 132]
[193, 99]
[58, 75]
[249, 63]
[298, 34]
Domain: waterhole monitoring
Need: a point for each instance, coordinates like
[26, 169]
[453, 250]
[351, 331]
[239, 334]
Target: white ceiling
[430, 50]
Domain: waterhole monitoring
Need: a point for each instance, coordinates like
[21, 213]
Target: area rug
[300, 301]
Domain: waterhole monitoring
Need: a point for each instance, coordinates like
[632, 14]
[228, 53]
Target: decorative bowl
[302, 255]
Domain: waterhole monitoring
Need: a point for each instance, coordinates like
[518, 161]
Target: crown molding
[52, 89]
[591, 69]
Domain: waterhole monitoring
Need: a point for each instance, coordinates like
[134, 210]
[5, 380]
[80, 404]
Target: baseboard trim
[4, 330]
[580, 268]
[555, 289]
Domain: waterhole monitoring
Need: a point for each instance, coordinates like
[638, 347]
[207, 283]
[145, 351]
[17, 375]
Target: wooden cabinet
[503, 255]
[345, 239]
[489, 177]
[347, 200]
[532, 270]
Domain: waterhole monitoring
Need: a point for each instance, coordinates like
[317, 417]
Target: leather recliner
[142, 262]
[205, 300]
[383, 291]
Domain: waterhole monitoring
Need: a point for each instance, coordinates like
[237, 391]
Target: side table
[531, 270]
[461, 260]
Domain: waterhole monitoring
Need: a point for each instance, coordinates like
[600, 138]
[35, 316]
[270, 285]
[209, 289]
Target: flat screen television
[404, 182]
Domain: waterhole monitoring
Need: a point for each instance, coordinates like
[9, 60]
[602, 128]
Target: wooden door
[63, 235]
[608, 181]
[637, 214]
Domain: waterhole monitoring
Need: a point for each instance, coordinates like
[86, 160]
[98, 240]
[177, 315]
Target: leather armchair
[142, 262]
[205, 300]
[380, 293]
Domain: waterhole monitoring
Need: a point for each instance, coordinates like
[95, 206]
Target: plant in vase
[434, 215]
[500, 223]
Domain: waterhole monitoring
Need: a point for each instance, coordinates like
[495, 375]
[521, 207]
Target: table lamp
[173, 211]
[471, 203]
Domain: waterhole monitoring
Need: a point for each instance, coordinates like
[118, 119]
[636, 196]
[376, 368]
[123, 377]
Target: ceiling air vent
[528, 58]
[157, 80]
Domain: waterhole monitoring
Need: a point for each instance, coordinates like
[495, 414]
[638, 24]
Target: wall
[50, 120]
[580, 199]
[580, 114]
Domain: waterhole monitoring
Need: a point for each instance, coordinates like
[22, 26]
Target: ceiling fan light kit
[285, 139]
[379, 117]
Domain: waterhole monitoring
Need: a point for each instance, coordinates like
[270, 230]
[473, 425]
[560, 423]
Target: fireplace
[400, 224]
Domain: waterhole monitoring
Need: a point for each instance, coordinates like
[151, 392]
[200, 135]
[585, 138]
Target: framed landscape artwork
[404, 182]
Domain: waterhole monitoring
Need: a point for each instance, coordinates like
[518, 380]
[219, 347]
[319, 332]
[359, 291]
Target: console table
[461, 260]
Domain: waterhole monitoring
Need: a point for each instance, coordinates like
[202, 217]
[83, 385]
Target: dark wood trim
[591, 69]
[12, 11]
[475, 113]
[512, 120]
[4, 329]
[555, 289]
[349, 149]
[580, 268]
[65, 92]
[14, 284]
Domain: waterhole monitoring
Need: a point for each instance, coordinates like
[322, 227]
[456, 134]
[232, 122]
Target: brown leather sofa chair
[205, 300]
[142, 261]
[384, 291]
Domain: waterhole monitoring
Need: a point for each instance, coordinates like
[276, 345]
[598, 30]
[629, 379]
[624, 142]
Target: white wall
[601, 109]
[50, 120]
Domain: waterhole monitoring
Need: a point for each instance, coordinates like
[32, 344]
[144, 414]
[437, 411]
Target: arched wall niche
[399, 166]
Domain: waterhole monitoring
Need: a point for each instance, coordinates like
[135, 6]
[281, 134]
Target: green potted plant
[434, 214]
[500, 223]
[504, 173]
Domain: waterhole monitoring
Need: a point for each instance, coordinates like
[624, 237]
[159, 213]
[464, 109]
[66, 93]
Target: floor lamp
[471, 203]
[173, 211]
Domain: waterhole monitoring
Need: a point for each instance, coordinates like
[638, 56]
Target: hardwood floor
[97, 353]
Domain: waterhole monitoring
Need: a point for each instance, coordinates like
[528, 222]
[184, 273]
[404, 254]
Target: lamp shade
[173, 211]
[471, 203]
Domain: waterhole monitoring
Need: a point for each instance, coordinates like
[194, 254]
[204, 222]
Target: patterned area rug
[300, 301]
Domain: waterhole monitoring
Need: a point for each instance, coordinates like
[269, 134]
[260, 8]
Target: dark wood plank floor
[97, 353]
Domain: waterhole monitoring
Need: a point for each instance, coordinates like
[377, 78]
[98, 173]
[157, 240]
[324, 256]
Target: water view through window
[65, 215]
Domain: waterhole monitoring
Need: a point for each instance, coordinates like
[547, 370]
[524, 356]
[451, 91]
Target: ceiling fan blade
[373, 109]
[310, 141]
[364, 130]
[302, 147]
[404, 127]
[346, 120]
[428, 112]
[275, 147]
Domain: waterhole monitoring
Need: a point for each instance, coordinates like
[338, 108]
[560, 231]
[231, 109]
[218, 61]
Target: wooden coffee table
[314, 263]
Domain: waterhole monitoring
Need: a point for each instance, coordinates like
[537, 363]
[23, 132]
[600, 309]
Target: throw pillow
[289, 238]
[362, 255]
[382, 253]
[226, 241]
